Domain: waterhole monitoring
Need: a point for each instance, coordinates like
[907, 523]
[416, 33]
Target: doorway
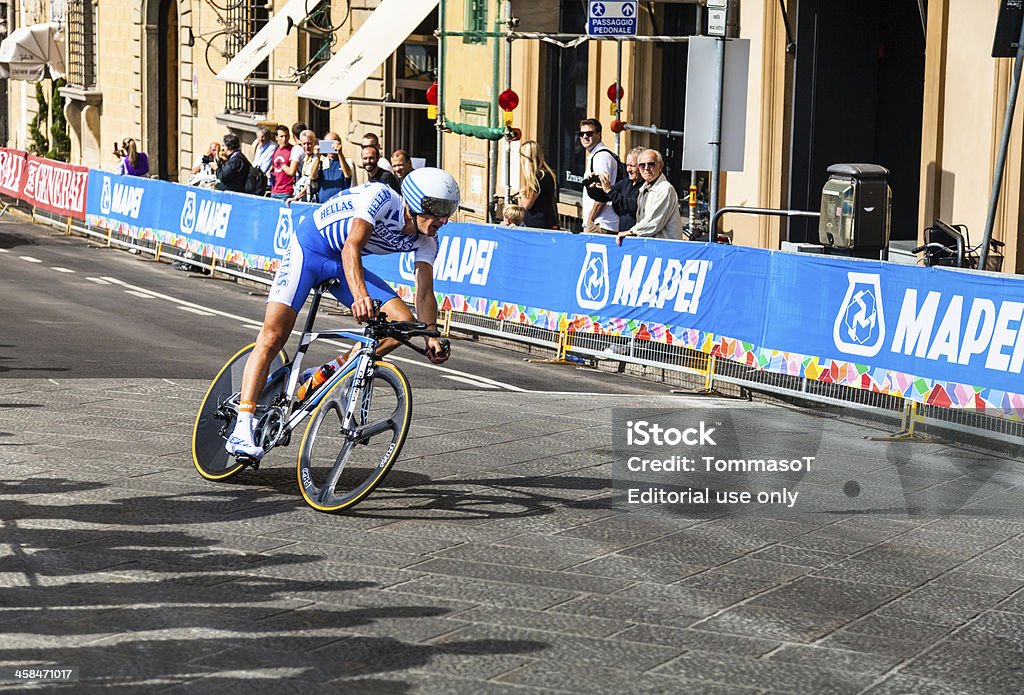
[858, 91]
[167, 97]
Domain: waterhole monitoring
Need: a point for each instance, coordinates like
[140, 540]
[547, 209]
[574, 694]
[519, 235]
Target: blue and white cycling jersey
[379, 205]
[314, 251]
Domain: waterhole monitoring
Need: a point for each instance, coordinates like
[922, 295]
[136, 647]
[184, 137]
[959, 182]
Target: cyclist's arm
[426, 309]
[352, 262]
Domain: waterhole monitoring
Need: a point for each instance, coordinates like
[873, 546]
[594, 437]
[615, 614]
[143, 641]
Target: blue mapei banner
[937, 323]
[957, 330]
[224, 225]
[709, 287]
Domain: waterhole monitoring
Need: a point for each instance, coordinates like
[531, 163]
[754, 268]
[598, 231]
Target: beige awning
[266, 40]
[29, 51]
[379, 36]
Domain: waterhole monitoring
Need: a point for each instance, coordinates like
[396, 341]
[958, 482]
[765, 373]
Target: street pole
[440, 88]
[716, 141]
[618, 95]
[997, 180]
[508, 86]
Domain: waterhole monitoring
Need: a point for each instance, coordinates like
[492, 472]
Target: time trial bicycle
[356, 421]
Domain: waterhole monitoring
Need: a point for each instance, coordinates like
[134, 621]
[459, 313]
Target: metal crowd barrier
[691, 370]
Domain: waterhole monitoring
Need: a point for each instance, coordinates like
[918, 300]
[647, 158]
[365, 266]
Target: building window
[476, 20]
[247, 18]
[565, 76]
[414, 70]
[81, 23]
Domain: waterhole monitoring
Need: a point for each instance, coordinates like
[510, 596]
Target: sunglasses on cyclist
[438, 207]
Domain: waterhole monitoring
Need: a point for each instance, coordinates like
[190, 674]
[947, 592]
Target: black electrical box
[1011, 14]
[855, 208]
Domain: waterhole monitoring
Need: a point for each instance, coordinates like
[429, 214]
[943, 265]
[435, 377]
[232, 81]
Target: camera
[592, 180]
[207, 158]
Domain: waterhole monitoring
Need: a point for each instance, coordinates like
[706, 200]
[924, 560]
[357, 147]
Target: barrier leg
[708, 389]
[908, 424]
[68, 228]
[562, 355]
[213, 269]
[159, 250]
[6, 205]
[446, 324]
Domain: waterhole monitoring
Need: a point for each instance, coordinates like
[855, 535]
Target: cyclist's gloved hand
[438, 350]
[362, 309]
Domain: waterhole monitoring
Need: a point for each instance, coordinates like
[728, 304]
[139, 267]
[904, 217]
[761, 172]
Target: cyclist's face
[428, 224]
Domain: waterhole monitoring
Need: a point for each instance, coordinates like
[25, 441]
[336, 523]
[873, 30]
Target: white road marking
[201, 312]
[471, 382]
[242, 319]
[30, 259]
[98, 281]
[5, 250]
[140, 295]
[61, 270]
[53, 381]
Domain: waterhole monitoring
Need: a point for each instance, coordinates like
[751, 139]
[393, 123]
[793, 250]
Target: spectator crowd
[631, 198]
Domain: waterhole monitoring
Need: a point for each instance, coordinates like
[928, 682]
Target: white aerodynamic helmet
[430, 191]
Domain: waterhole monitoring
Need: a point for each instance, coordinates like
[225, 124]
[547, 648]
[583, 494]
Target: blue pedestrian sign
[611, 17]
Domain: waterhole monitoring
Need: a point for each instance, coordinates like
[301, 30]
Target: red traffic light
[615, 92]
[432, 94]
[508, 100]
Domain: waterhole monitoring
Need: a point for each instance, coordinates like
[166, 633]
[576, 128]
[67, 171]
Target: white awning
[378, 37]
[265, 41]
[28, 51]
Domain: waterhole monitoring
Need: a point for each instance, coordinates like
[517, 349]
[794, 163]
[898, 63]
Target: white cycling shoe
[243, 446]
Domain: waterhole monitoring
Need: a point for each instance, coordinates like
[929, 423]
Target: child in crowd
[513, 216]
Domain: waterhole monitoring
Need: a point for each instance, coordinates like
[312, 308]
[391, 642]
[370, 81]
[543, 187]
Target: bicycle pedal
[250, 461]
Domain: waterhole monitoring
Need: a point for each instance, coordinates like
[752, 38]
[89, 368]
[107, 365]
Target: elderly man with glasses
[598, 217]
[657, 206]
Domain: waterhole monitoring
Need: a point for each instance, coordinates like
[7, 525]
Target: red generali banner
[12, 171]
[55, 186]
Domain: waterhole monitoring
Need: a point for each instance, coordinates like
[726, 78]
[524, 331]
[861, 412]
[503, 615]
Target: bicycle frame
[292, 413]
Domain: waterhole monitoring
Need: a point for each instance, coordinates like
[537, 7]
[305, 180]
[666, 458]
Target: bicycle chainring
[269, 428]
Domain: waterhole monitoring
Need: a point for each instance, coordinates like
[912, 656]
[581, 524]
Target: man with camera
[598, 217]
[233, 169]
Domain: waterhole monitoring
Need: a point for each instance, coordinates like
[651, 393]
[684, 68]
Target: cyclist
[330, 243]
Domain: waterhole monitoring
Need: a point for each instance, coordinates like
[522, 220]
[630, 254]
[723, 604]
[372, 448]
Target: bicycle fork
[357, 406]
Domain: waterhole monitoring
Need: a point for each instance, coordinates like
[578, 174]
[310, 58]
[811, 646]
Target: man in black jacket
[622, 194]
[234, 169]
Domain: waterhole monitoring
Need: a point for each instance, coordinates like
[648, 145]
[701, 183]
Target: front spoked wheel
[215, 420]
[338, 469]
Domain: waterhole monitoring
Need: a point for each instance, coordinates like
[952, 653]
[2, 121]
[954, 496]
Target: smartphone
[326, 147]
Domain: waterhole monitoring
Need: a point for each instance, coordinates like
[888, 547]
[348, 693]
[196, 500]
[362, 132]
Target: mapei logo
[592, 284]
[121, 199]
[188, 213]
[407, 266]
[105, 196]
[859, 328]
[205, 216]
[284, 229]
[649, 281]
